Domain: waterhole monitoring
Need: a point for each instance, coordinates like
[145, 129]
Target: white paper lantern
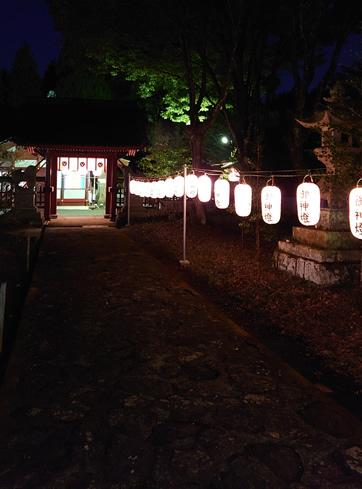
[191, 186]
[234, 176]
[141, 189]
[170, 187]
[222, 193]
[355, 212]
[147, 190]
[242, 195]
[138, 187]
[271, 199]
[133, 187]
[161, 186]
[204, 188]
[154, 190]
[308, 203]
[179, 186]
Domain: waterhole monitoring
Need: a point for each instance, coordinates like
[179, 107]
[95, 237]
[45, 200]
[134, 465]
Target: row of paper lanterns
[308, 198]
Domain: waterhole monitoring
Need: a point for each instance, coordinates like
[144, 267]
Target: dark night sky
[28, 20]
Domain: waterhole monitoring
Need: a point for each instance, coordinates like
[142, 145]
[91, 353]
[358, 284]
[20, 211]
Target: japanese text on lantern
[308, 201]
[304, 206]
[271, 203]
[268, 206]
[358, 215]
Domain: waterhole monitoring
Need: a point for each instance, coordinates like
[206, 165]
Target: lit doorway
[81, 186]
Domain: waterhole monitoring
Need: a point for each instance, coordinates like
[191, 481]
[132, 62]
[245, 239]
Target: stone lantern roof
[320, 119]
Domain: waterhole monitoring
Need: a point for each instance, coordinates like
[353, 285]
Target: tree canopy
[23, 79]
[192, 61]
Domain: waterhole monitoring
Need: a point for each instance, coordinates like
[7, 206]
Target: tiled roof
[79, 123]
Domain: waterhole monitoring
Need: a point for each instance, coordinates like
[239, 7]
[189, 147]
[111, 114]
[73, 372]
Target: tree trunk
[196, 141]
[257, 239]
[295, 145]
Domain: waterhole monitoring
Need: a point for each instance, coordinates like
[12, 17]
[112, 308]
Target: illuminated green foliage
[168, 153]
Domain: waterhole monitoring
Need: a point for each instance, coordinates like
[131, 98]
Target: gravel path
[124, 377]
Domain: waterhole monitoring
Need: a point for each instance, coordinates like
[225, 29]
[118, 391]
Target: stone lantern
[24, 182]
[327, 254]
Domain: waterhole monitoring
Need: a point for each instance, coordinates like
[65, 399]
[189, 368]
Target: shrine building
[81, 147]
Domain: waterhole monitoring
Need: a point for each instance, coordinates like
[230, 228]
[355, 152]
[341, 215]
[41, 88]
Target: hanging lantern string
[250, 174]
[360, 180]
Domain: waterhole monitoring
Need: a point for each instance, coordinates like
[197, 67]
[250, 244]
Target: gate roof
[79, 125]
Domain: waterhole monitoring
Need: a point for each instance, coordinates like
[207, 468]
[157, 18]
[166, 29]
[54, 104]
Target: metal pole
[28, 243]
[2, 312]
[129, 200]
[184, 262]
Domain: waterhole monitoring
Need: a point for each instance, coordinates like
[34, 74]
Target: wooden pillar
[111, 194]
[47, 189]
[53, 186]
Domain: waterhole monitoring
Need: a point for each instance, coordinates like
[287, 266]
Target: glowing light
[154, 190]
[170, 187]
[99, 167]
[179, 186]
[133, 187]
[64, 167]
[308, 203]
[355, 211]
[242, 194]
[141, 189]
[161, 189]
[91, 164]
[147, 190]
[83, 168]
[204, 188]
[234, 176]
[191, 186]
[73, 164]
[271, 199]
[222, 193]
